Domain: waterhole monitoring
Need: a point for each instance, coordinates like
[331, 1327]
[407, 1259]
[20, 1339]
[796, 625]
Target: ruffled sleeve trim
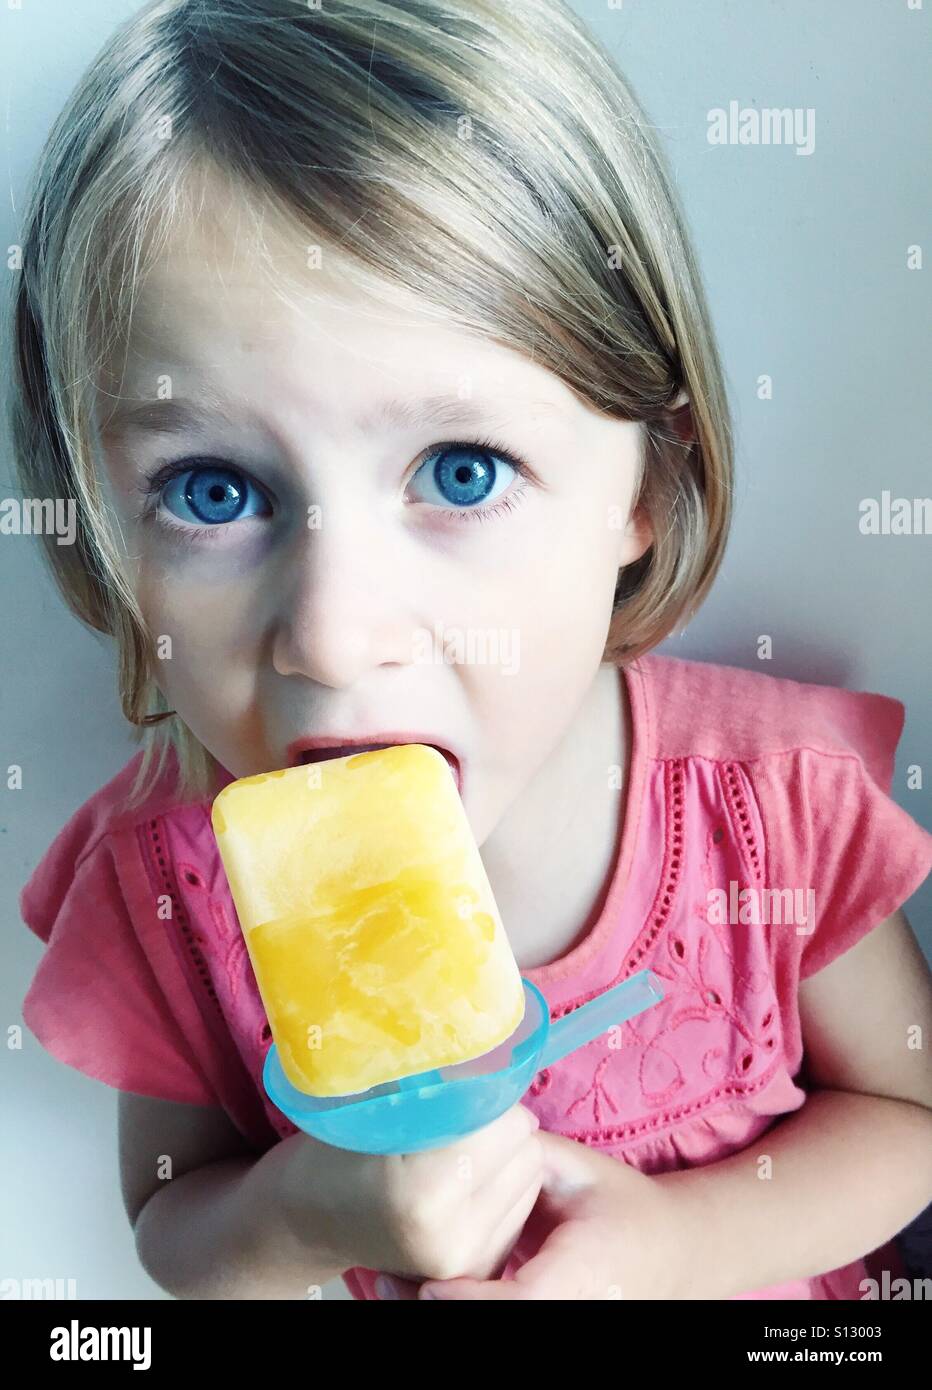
[832, 826]
[94, 1002]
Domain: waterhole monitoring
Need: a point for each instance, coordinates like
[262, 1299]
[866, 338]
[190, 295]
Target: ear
[636, 538]
[681, 418]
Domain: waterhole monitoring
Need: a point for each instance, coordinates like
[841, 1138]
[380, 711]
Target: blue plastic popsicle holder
[435, 1108]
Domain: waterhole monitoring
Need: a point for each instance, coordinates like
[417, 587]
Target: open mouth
[320, 755]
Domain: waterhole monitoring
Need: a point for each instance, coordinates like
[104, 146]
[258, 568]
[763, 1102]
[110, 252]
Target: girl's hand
[617, 1234]
[455, 1210]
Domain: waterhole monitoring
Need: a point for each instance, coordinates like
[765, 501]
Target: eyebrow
[178, 416]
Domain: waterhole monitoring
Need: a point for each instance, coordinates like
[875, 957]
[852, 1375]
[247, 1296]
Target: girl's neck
[551, 858]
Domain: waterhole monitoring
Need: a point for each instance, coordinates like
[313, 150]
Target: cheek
[203, 651]
[197, 617]
[551, 638]
[565, 585]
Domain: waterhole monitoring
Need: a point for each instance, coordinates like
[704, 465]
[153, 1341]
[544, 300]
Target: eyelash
[154, 484]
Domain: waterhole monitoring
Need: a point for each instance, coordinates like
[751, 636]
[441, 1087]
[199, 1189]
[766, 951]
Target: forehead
[221, 313]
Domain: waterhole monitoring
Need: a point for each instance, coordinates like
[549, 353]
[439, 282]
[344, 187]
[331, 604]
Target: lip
[349, 742]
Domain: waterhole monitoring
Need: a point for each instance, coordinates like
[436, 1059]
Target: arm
[854, 1165]
[216, 1228]
[217, 1232]
[849, 1169]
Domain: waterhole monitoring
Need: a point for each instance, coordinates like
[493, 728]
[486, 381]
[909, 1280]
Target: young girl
[347, 327]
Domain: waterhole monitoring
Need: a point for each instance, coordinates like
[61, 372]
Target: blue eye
[208, 494]
[214, 493]
[464, 475]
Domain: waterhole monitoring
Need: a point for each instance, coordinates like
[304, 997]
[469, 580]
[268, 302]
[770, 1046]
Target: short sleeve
[94, 1002]
[862, 854]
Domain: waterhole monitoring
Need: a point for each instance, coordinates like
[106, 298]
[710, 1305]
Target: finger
[495, 1233]
[569, 1167]
[500, 1193]
[496, 1236]
[510, 1230]
[559, 1270]
[484, 1152]
[474, 1290]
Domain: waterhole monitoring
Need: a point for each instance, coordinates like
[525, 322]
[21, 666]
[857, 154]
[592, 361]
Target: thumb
[569, 1167]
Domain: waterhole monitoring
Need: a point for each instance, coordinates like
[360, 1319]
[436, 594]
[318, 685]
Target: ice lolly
[369, 920]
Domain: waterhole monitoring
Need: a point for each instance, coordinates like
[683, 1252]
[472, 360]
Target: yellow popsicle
[368, 917]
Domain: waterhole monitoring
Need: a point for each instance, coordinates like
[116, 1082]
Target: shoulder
[86, 841]
[726, 713]
[813, 765]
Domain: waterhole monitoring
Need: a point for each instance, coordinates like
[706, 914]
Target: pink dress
[739, 780]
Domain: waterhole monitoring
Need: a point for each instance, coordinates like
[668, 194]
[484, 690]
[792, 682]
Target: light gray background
[804, 259]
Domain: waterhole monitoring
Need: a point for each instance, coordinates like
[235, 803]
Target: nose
[339, 609]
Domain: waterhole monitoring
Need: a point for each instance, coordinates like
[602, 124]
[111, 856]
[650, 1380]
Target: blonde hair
[485, 154]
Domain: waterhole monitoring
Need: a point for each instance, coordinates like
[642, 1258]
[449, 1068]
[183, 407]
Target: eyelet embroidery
[235, 957]
[598, 1093]
[714, 871]
[191, 939]
[739, 811]
[670, 877]
[692, 998]
[218, 959]
[234, 944]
